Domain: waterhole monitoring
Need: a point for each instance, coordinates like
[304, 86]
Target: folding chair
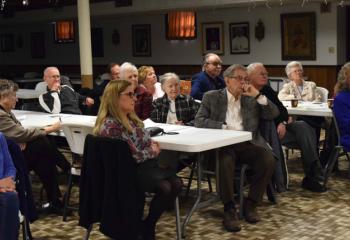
[75, 135]
[109, 191]
[336, 152]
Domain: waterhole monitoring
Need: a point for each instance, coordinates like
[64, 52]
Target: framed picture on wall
[7, 43]
[213, 37]
[141, 40]
[37, 44]
[239, 38]
[298, 36]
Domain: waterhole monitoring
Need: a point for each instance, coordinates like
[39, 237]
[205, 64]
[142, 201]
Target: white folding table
[188, 139]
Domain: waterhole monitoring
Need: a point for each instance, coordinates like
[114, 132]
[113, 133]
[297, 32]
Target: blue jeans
[9, 221]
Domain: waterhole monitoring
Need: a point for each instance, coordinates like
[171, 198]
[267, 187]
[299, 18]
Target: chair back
[29, 75]
[75, 135]
[323, 93]
[41, 86]
[185, 87]
[65, 80]
[108, 188]
[336, 127]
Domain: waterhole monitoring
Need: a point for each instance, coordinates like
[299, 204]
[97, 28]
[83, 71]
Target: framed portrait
[239, 38]
[298, 36]
[141, 40]
[213, 38]
[7, 43]
[37, 44]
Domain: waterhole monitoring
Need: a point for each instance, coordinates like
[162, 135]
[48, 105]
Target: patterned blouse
[139, 140]
[185, 107]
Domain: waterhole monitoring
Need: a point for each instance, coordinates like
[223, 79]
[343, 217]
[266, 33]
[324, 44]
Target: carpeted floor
[299, 214]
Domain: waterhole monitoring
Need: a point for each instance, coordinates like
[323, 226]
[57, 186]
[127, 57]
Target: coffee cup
[330, 102]
[294, 102]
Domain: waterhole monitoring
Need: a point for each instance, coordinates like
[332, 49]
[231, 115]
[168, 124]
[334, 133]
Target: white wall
[267, 51]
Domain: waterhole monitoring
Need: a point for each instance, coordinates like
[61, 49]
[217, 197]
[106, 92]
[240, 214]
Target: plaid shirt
[186, 109]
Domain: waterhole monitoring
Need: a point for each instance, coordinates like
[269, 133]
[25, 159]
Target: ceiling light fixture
[25, 2]
[3, 2]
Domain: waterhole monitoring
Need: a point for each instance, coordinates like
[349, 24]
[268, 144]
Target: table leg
[199, 194]
[178, 222]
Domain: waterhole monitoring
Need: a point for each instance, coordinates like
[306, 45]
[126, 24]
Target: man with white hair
[209, 78]
[290, 131]
[61, 98]
[240, 106]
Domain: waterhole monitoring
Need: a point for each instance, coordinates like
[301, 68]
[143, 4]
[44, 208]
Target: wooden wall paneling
[324, 76]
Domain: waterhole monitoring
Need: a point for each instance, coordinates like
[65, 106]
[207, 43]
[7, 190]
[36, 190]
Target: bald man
[61, 98]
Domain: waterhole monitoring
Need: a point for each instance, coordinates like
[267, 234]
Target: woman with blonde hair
[117, 119]
[148, 78]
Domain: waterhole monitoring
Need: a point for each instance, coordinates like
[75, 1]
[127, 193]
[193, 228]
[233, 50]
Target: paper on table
[167, 127]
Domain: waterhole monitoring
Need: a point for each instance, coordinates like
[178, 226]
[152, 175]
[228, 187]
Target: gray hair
[342, 84]
[6, 87]
[127, 67]
[231, 70]
[292, 64]
[251, 67]
[168, 76]
[49, 68]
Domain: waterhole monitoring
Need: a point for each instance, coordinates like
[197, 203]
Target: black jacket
[23, 185]
[108, 188]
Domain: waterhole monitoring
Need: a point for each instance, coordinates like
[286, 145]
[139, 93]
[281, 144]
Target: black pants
[41, 157]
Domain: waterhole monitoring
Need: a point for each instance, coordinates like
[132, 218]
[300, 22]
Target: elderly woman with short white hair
[143, 104]
[173, 107]
[298, 88]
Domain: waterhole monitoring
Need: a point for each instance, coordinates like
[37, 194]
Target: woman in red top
[143, 104]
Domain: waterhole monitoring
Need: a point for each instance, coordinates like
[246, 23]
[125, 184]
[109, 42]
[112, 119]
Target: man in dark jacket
[289, 131]
[209, 78]
[61, 98]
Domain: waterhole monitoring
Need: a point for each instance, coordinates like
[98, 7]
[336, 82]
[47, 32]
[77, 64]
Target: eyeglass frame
[130, 94]
[215, 64]
[239, 78]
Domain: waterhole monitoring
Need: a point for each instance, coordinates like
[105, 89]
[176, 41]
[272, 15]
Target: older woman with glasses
[40, 155]
[117, 119]
[143, 104]
[173, 107]
[341, 105]
[148, 79]
[298, 88]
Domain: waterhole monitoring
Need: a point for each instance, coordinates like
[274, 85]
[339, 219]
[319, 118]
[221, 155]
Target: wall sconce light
[115, 37]
[260, 30]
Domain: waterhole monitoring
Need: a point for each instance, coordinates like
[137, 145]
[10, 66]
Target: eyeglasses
[263, 74]
[240, 78]
[216, 64]
[297, 71]
[130, 94]
[55, 76]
